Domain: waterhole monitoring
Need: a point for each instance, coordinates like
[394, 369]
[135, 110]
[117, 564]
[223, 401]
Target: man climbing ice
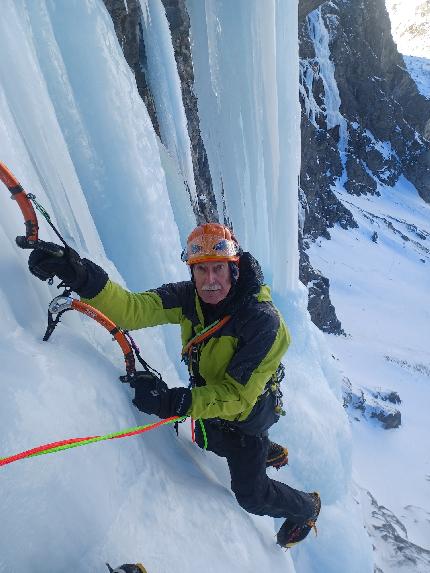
[233, 341]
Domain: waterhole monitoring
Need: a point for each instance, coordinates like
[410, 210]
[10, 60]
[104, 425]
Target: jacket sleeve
[263, 341]
[139, 310]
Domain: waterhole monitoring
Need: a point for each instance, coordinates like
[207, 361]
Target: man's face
[213, 281]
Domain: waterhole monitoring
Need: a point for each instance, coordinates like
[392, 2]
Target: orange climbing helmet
[211, 242]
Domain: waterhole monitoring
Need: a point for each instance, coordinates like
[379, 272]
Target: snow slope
[380, 290]
[379, 283]
[410, 26]
[76, 134]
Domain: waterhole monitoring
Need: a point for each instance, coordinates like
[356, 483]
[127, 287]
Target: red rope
[39, 449]
[46, 447]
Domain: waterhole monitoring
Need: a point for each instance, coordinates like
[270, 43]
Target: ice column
[166, 88]
[321, 40]
[245, 55]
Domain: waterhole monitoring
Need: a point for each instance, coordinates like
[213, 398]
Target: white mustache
[211, 287]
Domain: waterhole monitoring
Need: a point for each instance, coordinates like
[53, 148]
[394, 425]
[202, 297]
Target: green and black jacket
[235, 363]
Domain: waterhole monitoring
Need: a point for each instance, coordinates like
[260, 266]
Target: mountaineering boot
[291, 533]
[277, 456]
[128, 568]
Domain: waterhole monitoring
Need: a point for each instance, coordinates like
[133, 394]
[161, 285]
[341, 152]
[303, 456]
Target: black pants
[255, 492]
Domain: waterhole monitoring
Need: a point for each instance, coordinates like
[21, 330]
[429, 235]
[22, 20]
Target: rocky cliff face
[393, 551]
[387, 117]
[179, 23]
[364, 123]
[127, 20]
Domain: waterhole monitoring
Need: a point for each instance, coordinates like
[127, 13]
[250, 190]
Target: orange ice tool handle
[31, 226]
[62, 303]
[31, 239]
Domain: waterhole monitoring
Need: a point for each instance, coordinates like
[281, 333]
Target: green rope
[190, 342]
[52, 448]
[208, 327]
[205, 438]
[120, 434]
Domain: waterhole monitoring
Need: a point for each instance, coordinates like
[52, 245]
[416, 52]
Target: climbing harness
[190, 355]
[190, 352]
[205, 333]
[273, 387]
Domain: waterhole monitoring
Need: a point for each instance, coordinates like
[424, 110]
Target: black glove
[153, 396]
[67, 266]
[81, 275]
